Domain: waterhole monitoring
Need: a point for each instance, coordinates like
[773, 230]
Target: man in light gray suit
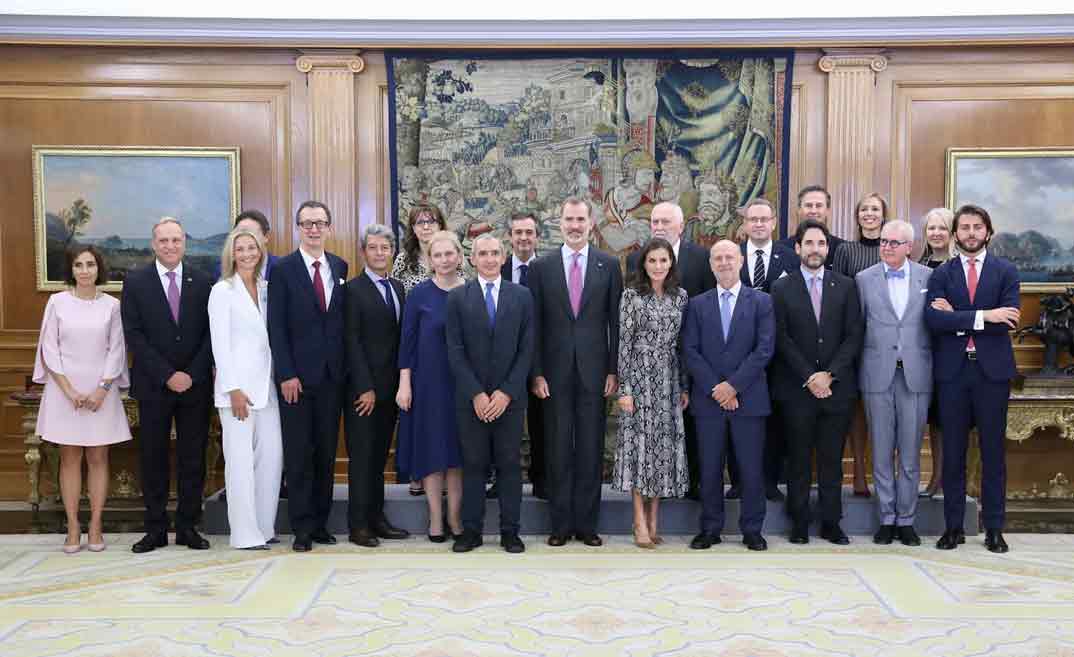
[896, 377]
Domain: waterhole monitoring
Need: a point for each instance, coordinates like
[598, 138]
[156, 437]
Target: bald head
[666, 222]
[725, 258]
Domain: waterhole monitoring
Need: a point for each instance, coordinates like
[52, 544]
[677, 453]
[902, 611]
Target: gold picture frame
[1029, 193]
[111, 196]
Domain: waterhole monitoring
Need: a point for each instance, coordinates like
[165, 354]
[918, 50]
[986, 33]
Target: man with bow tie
[896, 377]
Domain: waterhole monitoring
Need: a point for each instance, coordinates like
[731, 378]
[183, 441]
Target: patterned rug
[416, 598]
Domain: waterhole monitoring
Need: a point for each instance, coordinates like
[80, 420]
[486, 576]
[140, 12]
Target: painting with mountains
[111, 197]
[1029, 194]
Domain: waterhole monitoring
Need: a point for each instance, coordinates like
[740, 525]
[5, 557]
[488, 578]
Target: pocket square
[341, 282]
[782, 275]
[924, 291]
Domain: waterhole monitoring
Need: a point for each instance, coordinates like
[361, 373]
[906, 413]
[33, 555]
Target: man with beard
[815, 204]
[973, 302]
[819, 335]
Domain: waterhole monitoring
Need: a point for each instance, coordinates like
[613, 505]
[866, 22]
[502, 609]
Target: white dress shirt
[568, 260]
[751, 258]
[162, 272]
[516, 263]
[978, 318]
[899, 288]
[495, 289]
[326, 274]
[373, 276]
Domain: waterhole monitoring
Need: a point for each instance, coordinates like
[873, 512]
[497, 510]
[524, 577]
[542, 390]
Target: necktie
[574, 284]
[490, 305]
[758, 270]
[388, 298]
[725, 312]
[971, 283]
[523, 270]
[894, 273]
[318, 286]
[173, 296]
[814, 295]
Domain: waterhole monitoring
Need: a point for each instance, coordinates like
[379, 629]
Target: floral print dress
[651, 453]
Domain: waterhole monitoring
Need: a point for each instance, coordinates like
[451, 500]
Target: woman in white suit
[244, 393]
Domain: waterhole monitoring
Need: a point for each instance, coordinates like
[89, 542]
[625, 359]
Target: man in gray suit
[896, 377]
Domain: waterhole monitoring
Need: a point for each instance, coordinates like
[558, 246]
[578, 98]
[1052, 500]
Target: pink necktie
[173, 296]
[971, 283]
[814, 295]
[318, 286]
[574, 284]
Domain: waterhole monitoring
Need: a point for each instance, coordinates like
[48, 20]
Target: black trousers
[813, 425]
[190, 411]
[368, 438]
[483, 444]
[310, 434]
[574, 422]
[535, 431]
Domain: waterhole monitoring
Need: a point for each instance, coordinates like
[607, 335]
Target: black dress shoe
[799, 536]
[364, 538]
[885, 535]
[385, 529]
[558, 540]
[951, 539]
[512, 543]
[322, 537]
[540, 492]
[192, 539]
[592, 540]
[256, 547]
[755, 542]
[468, 541]
[150, 542]
[273, 541]
[302, 543]
[438, 538]
[493, 491]
[994, 541]
[834, 534]
[704, 541]
[774, 494]
[907, 536]
[733, 493]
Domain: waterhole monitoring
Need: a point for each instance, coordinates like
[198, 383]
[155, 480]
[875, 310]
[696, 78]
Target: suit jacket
[371, 338]
[804, 347]
[589, 341]
[783, 261]
[997, 287]
[484, 359]
[884, 331]
[306, 342]
[740, 360]
[240, 342]
[695, 273]
[161, 347]
[833, 246]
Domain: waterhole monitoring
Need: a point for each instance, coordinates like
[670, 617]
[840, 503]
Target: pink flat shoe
[71, 549]
[96, 547]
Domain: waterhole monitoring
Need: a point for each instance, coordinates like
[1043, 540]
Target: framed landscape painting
[111, 196]
[1029, 193]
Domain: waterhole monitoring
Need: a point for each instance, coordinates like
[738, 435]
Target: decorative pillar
[851, 130]
[333, 143]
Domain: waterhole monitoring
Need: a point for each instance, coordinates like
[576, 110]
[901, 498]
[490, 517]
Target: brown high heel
[647, 545]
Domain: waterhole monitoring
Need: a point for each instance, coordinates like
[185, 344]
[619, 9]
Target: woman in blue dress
[428, 435]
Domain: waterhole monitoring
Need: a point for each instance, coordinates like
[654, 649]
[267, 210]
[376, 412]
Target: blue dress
[428, 434]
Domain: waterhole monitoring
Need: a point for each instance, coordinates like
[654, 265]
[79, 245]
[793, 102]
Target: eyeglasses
[894, 244]
[426, 222]
[758, 220]
[310, 225]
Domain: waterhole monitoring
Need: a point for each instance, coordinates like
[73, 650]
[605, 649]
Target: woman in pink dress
[82, 361]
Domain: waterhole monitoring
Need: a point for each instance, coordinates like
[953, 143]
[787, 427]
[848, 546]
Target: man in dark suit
[523, 231]
[165, 311]
[305, 320]
[695, 276]
[764, 261]
[973, 302]
[576, 292]
[728, 340]
[815, 204]
[490, 348]
[255, 222]
[372, 313]
[818, 338]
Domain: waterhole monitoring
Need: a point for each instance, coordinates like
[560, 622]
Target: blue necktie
[894, 273]
[490, 305]
[725, 312]
[522, 271]
[388, 298]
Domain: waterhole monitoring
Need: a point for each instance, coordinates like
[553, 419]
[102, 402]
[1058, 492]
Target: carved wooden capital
[334, 62]
[874, 61]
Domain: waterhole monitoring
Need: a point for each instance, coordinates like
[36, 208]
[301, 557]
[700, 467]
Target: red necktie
[971, 283]
[318, 285]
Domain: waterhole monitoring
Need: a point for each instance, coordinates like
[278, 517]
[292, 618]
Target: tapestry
[485, 136]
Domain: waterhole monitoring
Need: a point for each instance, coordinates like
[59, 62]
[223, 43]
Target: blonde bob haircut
[227, 255]
[446, 236]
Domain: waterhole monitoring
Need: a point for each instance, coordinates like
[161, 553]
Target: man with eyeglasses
[896, 377]
[305, 321]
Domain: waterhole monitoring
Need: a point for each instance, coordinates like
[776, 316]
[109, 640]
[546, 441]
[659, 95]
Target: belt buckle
[971, 355]
[898, 364]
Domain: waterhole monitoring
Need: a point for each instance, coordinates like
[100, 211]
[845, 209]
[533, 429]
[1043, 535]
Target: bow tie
[894, 273]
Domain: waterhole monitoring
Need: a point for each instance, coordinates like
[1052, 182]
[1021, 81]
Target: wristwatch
[107, 385]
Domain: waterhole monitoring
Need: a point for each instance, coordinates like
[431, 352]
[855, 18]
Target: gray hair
[906, 227]
[377, 230]
[485, 237]
[168, 220]
[674, 206]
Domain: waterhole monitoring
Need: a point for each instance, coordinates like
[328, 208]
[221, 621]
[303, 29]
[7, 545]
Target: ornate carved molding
[1024, 419]
[350, 61]
[876, 62]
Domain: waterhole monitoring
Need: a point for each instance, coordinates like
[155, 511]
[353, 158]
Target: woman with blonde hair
[244, 392]
[428, 438]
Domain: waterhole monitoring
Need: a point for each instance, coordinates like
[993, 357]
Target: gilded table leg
[33, 454]
[973, 465]
[213, 452]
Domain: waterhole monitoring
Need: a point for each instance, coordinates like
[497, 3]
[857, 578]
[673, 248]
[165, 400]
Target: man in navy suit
[255, 222]
[490, 347]
[306, 308]
[576, 291]
[165, 311]
[973, 302]
[728, 340]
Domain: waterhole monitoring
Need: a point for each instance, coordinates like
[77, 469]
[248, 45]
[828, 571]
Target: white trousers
[253, 466]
